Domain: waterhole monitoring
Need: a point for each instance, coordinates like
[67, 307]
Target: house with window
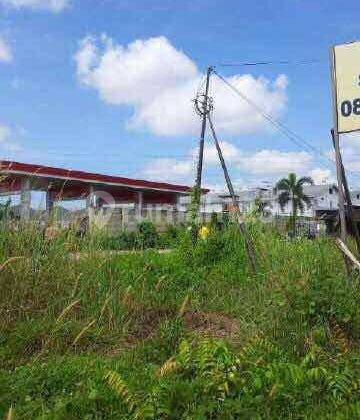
[322, 197]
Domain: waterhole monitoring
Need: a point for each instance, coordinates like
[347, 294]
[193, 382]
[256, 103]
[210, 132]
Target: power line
[291, 135]
[202, 82]
[281, 127]
[271, 63]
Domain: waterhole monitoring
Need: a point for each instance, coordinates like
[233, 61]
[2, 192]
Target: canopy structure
[68, 184]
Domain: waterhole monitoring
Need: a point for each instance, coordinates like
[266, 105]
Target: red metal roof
[89, 177]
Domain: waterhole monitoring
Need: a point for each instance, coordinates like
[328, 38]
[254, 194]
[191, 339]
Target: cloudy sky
[107, 85]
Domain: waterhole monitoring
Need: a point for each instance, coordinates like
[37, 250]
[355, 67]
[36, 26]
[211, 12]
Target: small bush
[147, 236]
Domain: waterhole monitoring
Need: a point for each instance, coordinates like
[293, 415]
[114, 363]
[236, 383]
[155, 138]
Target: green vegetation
[292, 191]
[190, 334]
[4, 209]
[261, 208]
[144, 237]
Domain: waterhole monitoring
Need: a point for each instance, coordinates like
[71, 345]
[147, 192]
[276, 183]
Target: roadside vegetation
[144, 237]
[190, 334]
[291, 191]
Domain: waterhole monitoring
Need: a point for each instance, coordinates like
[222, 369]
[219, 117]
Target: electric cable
[272, 63]
[290, 134]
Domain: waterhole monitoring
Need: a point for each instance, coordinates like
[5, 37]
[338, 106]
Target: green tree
[291, 190]
[261, 208]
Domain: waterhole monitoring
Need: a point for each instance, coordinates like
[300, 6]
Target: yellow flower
[204, 232]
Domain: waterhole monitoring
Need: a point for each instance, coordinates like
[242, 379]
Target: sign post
[345, 71]
[346, 86]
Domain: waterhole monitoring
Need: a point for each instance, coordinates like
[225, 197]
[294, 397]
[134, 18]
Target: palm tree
[291, 190]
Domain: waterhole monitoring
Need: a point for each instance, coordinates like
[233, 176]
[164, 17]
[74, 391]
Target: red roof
[51, 172]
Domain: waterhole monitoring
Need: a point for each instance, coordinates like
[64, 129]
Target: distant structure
[324, 199]
[66, 184]
[213, 203]
[132, 200]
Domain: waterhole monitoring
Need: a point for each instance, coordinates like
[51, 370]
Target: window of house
[330, 190]
[358, 196]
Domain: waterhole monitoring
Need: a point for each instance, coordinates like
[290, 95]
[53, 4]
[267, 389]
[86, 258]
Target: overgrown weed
[66, 322]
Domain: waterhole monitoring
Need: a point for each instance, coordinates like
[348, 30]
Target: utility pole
[248, 243]
[341, 198]
[335, 137]
[223, 164]
[203, 109]
[346, 193]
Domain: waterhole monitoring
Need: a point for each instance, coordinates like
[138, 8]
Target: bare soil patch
[212, 323]
[144, 325]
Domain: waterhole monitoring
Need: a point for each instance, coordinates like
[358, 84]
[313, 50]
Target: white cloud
[266, 162]
[175, 170]
[52, 5]
[169, 170]
[134, 74]
[350, 150]
[275, 162]
[263, 166]
[218, 188]
[230, 153]
[5, 133]
[5, 51]
[159, 82]
[7, 140]
[322, 176]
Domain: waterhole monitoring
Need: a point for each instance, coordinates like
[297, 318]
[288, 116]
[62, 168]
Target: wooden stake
[248, 242]
[347, 253]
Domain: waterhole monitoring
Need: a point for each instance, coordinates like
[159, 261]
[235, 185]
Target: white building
[210, 203]
[322, 197]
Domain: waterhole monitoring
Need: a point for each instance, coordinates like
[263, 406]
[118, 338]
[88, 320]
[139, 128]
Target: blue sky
[53, 113]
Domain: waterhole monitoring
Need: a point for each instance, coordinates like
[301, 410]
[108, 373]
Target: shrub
[147, 236]
[169, 238]
[123, 241]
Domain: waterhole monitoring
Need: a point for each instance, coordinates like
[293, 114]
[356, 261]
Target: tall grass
[66, 322]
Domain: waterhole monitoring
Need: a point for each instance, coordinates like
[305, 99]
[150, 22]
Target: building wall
[323, 197]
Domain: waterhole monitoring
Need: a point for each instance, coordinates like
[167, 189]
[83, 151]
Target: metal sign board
[346, 86]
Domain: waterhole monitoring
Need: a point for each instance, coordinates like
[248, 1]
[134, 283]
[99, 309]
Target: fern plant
[206, 378]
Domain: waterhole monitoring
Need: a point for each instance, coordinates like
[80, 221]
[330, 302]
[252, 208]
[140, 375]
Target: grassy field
[191, 334]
